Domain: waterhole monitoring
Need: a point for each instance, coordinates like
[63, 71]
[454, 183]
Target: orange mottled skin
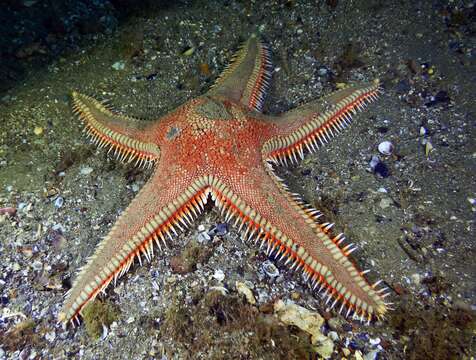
[221, 146]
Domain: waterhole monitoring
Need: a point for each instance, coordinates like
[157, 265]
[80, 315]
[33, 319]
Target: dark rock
[382, 170]
[441, 98]
[403, 87]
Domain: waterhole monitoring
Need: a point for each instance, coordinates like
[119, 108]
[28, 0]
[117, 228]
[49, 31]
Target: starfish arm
[126, 136]
[161, 208]
[310, 126]
[246, 79]
[288, 228]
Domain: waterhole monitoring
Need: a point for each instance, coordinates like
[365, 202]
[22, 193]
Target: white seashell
[374, 162]
[385, 148]
[219, 275]
[270, 269]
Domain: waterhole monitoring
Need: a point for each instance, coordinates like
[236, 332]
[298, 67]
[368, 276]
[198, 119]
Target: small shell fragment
[219, 275]
[38, 130]
[189, 51]
[428, 148]
[59, 202]
[385, 148]
[270, 269]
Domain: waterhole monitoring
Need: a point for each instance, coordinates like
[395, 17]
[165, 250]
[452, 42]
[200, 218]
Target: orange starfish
[221, 146]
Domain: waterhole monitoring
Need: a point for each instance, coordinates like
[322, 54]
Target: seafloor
[412, 216]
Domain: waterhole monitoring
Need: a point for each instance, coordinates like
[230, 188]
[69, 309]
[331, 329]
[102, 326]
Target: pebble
[119, 65]
[50, 336]
[385, 202]
[322, 71]
[416, 279]
[402, 87]
[202, 235]
[58, 227]
[375, 341]
[86, 170]
[382, 170]
[372, 355]
[270, 269]
[333, 336]
[219, 275]
[37, 265]
[385, 148]
[220, 229]
[189, 51]
[243, 289]
[59, 202]
[374, 162]
[38, 130]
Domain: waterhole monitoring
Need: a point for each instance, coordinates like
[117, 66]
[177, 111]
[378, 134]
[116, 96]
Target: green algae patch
[433, 332]
[193, 254]
[24, 334]
[97, 314]
[213, 322]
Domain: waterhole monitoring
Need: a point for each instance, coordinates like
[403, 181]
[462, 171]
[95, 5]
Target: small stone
[416, 279]
[220, 229]
[372, 355]
[86, 170]
[385, 148]
[219, 275]
[385, 202]
[382, 170]
[38, 130]
[59, 202]
[374, 161]
[333, 336]
[322, 71]
[50, 337]
[203, 237]
[189, 51]
[295, 295]
[245, 290]
[119, 65]
[402, 87]
[375, 341]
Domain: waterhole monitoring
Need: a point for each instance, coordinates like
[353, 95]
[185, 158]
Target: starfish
[220, 146]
